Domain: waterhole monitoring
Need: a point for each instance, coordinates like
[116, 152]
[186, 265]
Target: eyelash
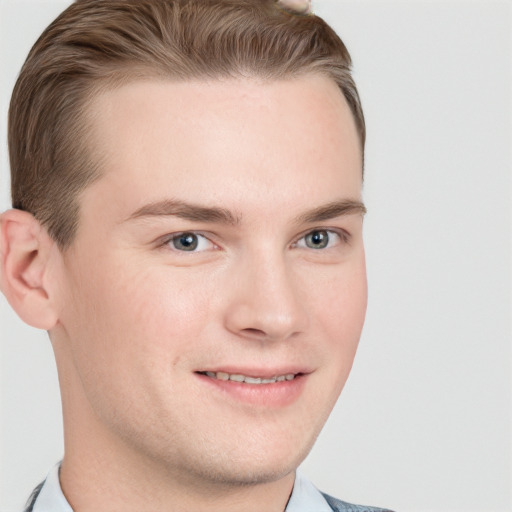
[344, 238]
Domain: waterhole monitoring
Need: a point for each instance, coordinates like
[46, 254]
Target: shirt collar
[51, 498]
[305, 496]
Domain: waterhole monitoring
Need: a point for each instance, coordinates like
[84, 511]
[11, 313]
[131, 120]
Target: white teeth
[250, 380]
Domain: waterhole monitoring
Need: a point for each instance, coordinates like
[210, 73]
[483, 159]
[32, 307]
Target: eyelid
[165, 241]
[343, 234]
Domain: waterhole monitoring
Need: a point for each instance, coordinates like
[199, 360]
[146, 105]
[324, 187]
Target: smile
[263, 388]
[249, 380]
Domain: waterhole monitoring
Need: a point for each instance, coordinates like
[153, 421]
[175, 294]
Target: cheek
[340, 309]
[131, 334]
[135, 316]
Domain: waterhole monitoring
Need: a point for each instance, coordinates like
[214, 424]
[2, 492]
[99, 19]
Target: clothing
[342, 506]
[48, 497]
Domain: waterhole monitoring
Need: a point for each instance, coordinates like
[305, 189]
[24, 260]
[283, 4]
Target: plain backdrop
[424, 423]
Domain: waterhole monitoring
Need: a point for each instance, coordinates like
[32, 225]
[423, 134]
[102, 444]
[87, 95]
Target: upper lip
[264, 373]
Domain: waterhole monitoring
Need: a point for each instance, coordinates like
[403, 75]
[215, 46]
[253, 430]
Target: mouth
[246, 379]
[262, 388]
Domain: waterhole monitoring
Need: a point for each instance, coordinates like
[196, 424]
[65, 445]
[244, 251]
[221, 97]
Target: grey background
[424, 423]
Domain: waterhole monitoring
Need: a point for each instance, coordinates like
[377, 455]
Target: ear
[26, 251]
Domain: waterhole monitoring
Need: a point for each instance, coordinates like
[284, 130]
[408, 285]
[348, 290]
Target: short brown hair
[101, 44]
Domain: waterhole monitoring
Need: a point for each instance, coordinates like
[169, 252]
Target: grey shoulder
[342, 506]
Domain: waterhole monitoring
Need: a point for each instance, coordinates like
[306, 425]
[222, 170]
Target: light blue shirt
[51, 498]
[305, 496]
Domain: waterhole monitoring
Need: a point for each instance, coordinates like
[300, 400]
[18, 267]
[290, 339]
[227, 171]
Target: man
[187, 226]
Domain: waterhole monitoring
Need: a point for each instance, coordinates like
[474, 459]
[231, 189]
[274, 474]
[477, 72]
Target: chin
[260, 464]
[250, 475]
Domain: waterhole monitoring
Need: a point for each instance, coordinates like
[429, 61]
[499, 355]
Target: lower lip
[275, 395]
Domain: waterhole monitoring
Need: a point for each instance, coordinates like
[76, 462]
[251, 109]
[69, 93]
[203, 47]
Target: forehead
[212, 140]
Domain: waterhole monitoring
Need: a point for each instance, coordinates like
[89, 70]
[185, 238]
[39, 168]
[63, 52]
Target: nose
[265, 300]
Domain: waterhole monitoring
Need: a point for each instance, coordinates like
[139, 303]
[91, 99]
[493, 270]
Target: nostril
[254, 332]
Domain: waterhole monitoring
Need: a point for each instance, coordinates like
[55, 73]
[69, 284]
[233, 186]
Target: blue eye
[185, 242]
[320, 239]
[317, 239]
[189, 242]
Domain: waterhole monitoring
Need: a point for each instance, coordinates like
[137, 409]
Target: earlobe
[25, 253]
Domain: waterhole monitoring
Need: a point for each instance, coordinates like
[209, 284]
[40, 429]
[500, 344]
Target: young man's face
[222, 242]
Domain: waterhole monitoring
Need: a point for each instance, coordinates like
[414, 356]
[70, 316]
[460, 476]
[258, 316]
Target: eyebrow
[331, 211]
[186, 211]
[196, 213]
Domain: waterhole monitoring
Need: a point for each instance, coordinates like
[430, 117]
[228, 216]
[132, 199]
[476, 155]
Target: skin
[300, 6]
[133, 317]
